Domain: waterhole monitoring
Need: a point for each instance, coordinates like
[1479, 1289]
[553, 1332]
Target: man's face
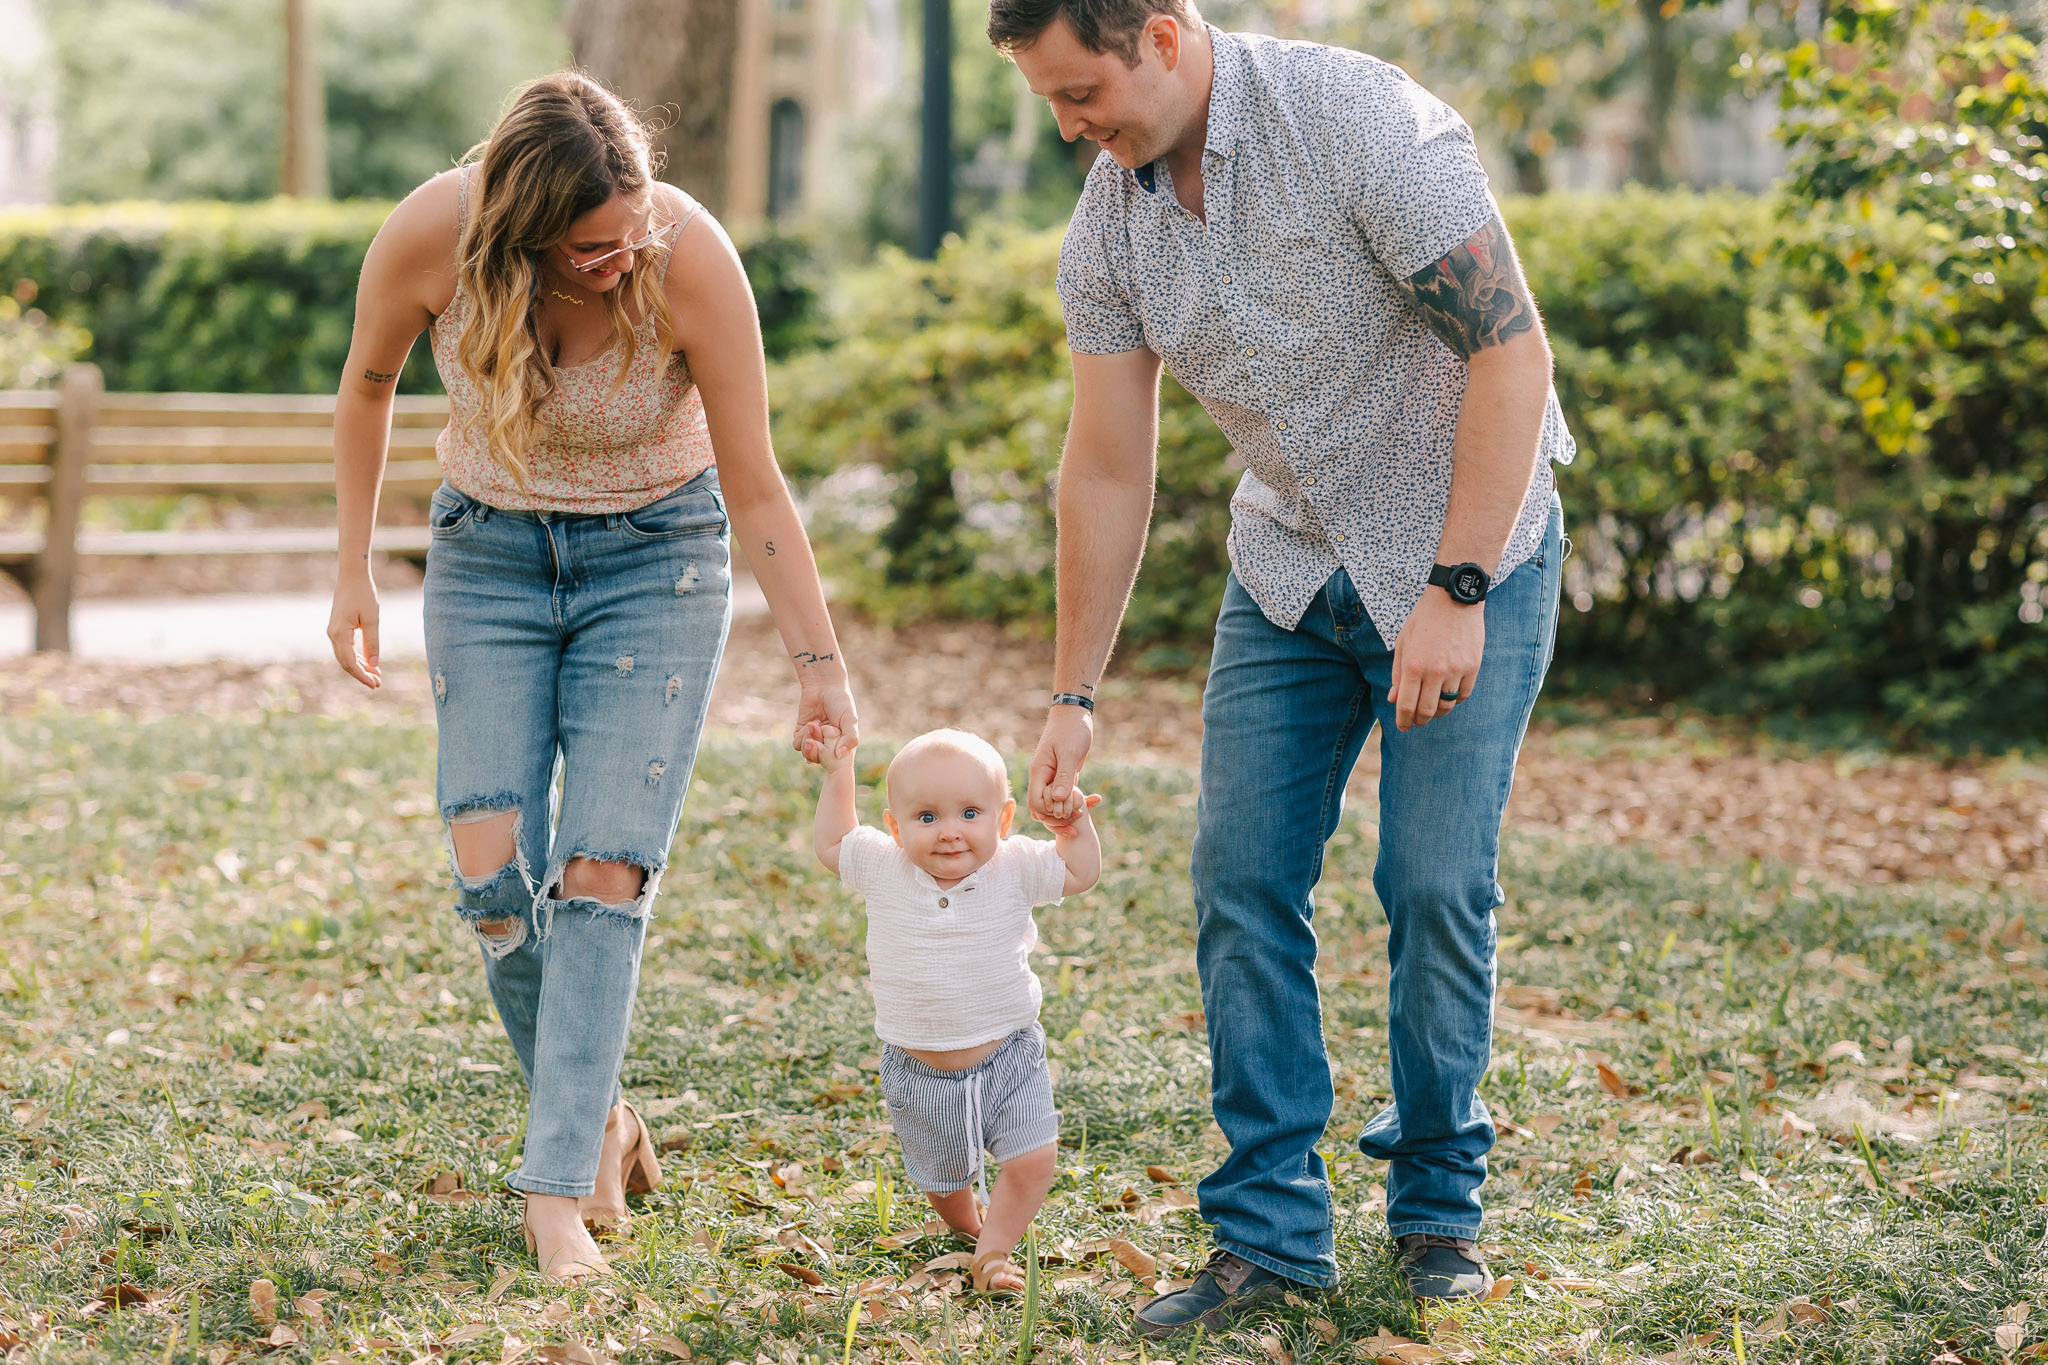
[1132, 112]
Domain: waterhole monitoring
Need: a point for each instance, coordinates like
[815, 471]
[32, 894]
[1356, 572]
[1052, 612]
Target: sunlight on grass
[255, 1098]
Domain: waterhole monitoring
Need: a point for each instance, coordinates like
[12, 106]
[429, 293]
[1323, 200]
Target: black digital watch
[1466, 583]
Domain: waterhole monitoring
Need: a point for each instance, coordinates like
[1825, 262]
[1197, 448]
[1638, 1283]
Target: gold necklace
[566, 298]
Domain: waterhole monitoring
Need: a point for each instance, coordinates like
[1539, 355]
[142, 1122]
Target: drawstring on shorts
[974, 1134]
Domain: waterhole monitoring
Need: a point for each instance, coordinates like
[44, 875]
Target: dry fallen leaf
[1502, 1287]
[1546, 1124]
[500, 1285]
[282, 1335]
[668, 1345]
[1325, 1329]
[958, 1260]
[1611, 1081]
[1133, 1259]
[800, 1272]
[896, 1241]
[263, 1302]
[1276, 1349]
[1160, 1175]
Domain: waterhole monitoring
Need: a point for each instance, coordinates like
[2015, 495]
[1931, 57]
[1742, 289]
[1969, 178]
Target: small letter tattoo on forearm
[771, 549]
[380, 376]
[807, 657]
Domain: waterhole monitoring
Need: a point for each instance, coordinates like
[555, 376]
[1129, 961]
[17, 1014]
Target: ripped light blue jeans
[572, 659]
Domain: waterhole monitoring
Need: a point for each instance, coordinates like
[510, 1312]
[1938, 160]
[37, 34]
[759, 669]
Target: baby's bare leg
[960, 1209]
[1019, 1191]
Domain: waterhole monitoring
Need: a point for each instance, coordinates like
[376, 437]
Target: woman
[608, 412]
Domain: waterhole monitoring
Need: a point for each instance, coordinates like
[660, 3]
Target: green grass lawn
[245, 1042]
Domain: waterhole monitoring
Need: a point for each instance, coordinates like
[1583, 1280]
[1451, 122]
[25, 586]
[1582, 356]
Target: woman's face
[601, 246]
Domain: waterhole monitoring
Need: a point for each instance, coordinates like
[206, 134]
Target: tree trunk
[1660, 93]
[935, 128]
[304, 173]
[673, 60]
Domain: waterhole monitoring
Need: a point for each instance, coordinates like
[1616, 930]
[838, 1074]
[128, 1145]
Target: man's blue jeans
[1284, 717]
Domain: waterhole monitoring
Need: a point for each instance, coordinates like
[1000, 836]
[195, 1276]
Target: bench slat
[107, 480]
[26, 445]
[251, 410]
[19, 547]
[216, 445]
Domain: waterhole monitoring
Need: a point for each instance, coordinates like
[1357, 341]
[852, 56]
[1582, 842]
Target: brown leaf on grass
[499, 1285]
[312, 1306]
[1582, 1188]
[1546, 1124]
[798, 1242]
[788, 1176]
[1384, 1348]
[1133, 1259]
[2009, 1335]
[1276, 1349]
[307, 1112]
[800, 1272]
[670, 1346]
[386, 1262]
[263, 1302]
[896, 1241]
[512, 1350]
[838, 1094]
[75, 1227]
[958, 1260]
[571, 1353]
[1160, 1175]
[678, 1141]
[1325, 1329]
[1611, 1081]
[1502, 1287]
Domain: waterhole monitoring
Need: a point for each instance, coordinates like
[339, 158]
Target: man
[1306, 239]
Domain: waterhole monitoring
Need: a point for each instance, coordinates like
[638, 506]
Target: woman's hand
[355, 609]
[826, 701]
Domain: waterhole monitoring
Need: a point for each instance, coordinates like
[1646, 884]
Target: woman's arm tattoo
[380, 376]
[805, 656]
[1475, 297]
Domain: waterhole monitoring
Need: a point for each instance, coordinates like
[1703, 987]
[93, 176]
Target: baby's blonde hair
[952, 742]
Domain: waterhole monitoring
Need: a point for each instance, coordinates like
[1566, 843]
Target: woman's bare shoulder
[418, 241]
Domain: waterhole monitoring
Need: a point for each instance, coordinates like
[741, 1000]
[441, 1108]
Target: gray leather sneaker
[1227, 1287]
[1443, 1267]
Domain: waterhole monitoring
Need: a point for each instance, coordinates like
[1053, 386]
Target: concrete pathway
[246, 627]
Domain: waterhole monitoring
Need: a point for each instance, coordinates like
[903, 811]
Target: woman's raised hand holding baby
[823, 745]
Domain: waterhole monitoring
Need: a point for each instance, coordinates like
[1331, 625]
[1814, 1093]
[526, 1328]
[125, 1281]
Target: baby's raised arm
[1080, 848]
[837, 816]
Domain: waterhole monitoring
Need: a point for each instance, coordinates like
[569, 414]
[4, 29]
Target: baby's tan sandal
[989, 1266]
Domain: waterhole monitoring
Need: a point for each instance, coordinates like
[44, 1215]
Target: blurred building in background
[28, 106]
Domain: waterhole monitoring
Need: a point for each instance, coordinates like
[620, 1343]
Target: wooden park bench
[79, 442]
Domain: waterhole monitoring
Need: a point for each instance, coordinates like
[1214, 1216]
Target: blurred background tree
[182, 101]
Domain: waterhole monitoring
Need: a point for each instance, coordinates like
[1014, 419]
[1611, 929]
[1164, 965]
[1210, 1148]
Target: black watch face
[1468, 583]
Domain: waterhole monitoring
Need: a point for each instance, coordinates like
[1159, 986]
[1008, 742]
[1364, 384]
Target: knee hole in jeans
[485, 842]
[610, 883]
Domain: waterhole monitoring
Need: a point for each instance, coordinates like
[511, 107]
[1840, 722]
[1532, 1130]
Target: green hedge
[254, 298]
[1741, 538]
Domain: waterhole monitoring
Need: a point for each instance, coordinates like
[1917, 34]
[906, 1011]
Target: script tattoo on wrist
[1475, 297]
[805, 658]
[381, 376]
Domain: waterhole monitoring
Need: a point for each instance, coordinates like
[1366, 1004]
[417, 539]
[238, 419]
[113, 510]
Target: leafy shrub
[34, 350]
[257, 298]
[1742, 537]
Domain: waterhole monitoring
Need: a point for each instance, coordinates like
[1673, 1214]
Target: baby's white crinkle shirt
[950, 966]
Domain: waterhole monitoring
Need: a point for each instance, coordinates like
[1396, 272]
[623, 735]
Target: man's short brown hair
[1100, 25]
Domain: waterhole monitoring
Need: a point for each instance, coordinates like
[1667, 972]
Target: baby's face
[948, 812]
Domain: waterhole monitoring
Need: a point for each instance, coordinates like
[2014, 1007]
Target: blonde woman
[609, 412]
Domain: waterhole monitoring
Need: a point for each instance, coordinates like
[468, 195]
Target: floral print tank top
[594, 450]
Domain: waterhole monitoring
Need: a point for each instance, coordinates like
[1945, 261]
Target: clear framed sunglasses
[596, 262]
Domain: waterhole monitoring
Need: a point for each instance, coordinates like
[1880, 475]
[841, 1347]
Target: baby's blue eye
[926, 818]
[969, 813]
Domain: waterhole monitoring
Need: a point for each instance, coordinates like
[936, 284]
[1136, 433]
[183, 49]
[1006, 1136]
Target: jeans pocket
[689, 513]
[450, 511]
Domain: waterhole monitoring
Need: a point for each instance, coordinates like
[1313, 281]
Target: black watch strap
[1466, 583]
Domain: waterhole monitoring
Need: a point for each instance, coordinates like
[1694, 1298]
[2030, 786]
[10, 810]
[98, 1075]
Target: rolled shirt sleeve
[1410, 175]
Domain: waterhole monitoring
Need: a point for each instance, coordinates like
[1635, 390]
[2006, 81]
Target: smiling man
[1306, 238]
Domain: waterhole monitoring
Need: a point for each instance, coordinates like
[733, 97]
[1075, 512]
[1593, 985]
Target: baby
[949, 896]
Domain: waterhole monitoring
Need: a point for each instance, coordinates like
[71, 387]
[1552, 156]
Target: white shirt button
[943, 902]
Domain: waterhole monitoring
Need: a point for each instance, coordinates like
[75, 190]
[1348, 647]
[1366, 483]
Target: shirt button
[943, 902]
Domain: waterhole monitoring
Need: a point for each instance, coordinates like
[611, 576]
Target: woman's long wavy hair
[564, 146]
